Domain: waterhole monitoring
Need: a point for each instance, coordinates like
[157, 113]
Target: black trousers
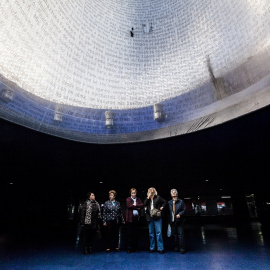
[133, 233]
[178, 235]
[89, 231]
[112, 234]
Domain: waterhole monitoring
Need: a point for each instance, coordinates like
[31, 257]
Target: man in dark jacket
[177, 209]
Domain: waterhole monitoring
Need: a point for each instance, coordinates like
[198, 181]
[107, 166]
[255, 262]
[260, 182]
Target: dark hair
[89, 194]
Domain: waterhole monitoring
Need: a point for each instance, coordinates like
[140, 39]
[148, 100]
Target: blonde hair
[153, 189]
[113, 192]
[133, 189]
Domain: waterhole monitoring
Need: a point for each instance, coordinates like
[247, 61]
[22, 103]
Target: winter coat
[112, 212]
[157, 201]
[180, 208]
[131, 207]
[90, 212]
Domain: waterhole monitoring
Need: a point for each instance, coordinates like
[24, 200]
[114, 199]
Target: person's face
[133, 194]
[174, 193]
[111, 196]
[92, 196]
[151, 191]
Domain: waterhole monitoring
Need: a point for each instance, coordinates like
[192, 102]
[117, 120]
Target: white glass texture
[81, 53]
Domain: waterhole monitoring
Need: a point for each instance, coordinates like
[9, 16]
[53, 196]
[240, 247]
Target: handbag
[155, 213]
[169, 231]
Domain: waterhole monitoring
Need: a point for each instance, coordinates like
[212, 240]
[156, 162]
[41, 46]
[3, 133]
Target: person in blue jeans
[177, 209]
[154, 203]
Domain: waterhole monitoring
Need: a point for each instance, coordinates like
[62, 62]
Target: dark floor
[209, 246]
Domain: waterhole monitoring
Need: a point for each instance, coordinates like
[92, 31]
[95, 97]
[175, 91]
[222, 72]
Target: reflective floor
[209, 246]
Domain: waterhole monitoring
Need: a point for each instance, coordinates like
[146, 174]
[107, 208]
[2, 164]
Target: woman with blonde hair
[112, 219]
[154, 205]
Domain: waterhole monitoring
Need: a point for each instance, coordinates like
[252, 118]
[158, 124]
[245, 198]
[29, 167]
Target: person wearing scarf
[90, 213]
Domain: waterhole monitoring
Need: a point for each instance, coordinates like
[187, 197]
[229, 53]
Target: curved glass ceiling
[79, 59]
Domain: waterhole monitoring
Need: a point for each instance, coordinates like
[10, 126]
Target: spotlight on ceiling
[159, 115]
[109, 119]
[147, 27]
[6, 95]
[58, 114]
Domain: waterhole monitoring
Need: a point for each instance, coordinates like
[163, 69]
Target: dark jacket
[157, 201]
[131, 207]
[180, 208]
[112, 212]
[90, 212]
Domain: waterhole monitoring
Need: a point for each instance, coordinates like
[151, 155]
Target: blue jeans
[155, 232]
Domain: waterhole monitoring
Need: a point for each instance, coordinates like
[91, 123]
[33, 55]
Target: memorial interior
[115, 94]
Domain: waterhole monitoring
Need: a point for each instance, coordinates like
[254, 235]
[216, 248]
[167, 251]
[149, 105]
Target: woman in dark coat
[112, 219]
[134, 205]
[156, 203]
[89, 215]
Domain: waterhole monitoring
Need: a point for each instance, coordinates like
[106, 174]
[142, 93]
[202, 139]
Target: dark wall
[48, 172]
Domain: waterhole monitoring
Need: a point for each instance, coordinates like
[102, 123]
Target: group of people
[154, 207]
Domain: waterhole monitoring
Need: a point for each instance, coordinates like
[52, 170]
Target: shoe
[86, 251]
[176, 249]
[161, 251]
[118, 249]
[89, 250]
[182, 250]
[151, 251]
[108, 250]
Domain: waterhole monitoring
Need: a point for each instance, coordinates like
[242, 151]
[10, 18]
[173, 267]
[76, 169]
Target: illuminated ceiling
[63, 64]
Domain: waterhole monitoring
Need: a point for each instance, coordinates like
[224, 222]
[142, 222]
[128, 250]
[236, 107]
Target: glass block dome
[132, 70]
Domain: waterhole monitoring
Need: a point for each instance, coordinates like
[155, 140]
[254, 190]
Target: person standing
[89, 215]
[177, 209]
[133, 207]
[154, 205]
[112, 219]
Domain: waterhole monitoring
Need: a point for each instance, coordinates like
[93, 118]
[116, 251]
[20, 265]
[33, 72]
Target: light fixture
[147, 27]
[7, 95]
[58, 114]
[109, 119]
[159, 115]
